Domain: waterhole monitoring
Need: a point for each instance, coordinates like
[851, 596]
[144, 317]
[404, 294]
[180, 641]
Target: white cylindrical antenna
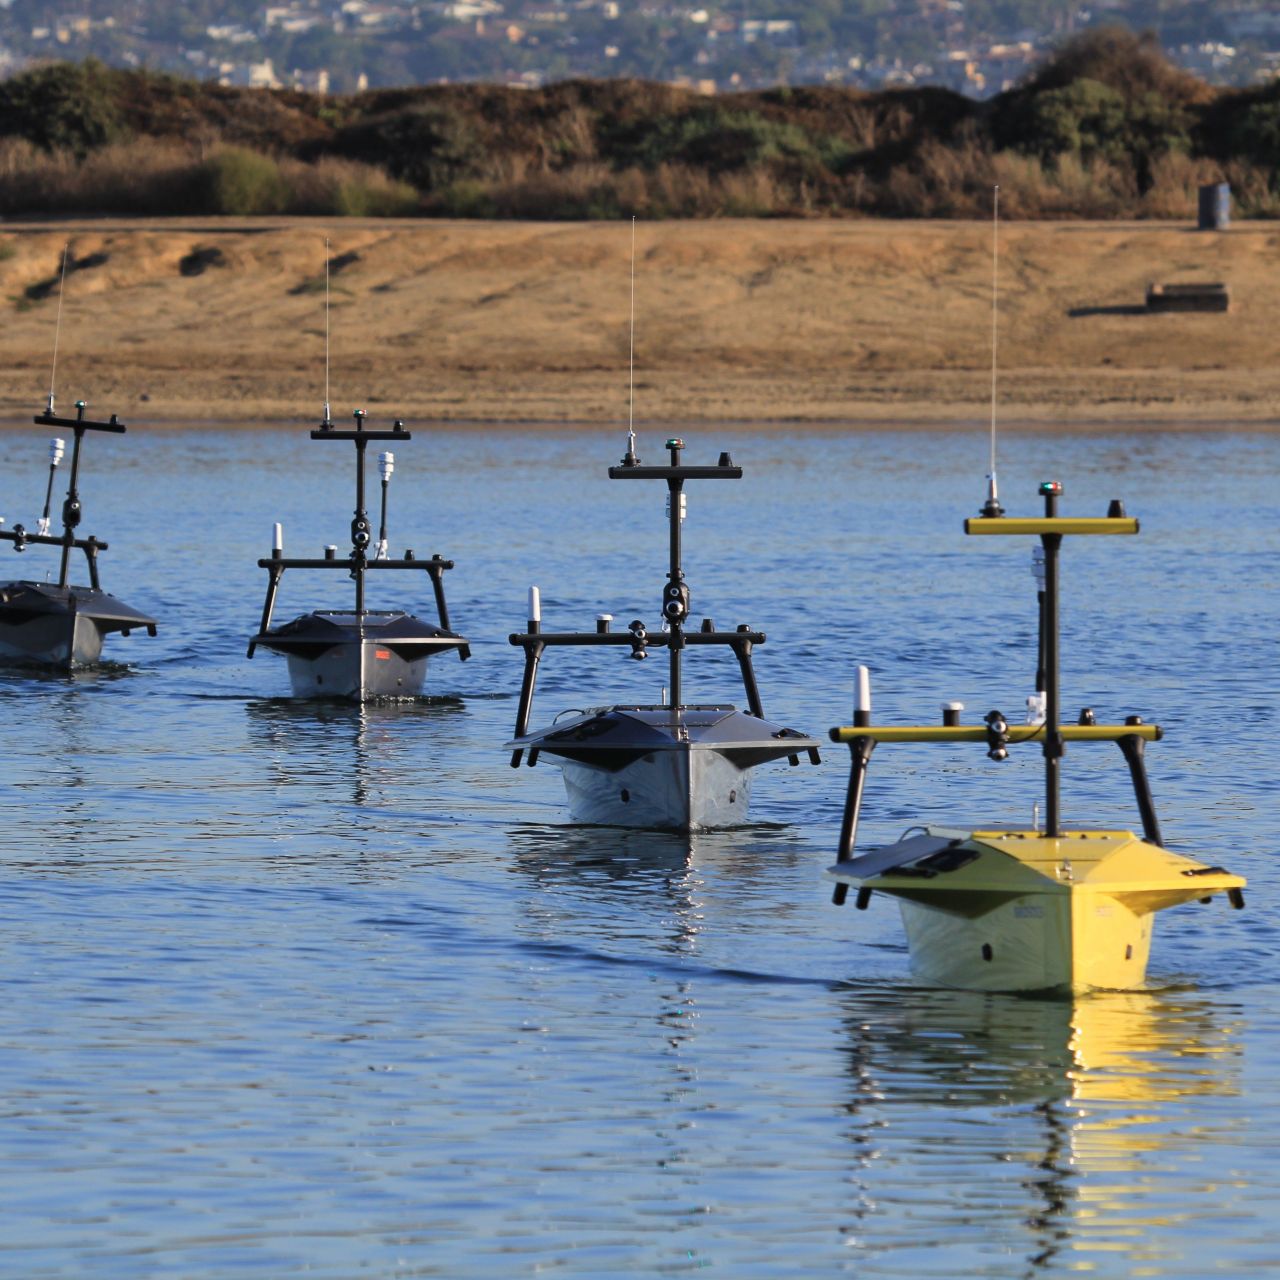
[277, 537]
[535, 605]
[57, 448]
[57, 327]
[386, 465]
[992, 506]
[862, 694]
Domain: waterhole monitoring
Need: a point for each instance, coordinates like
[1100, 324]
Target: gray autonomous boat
[669, 765]
[358, 654]
[62, 625]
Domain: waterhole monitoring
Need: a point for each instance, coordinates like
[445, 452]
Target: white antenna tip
[277, 537]
[862, 696]
[535, 605]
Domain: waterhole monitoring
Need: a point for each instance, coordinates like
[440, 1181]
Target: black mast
[72, 511]
[675, 594]
[1051, 490]
[360, 527]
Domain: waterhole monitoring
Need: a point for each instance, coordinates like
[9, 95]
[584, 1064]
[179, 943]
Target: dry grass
[155, 177]
[815, 319]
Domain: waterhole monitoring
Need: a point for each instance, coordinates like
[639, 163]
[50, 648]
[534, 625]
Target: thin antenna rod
[992, 506]
[57, 328]
[327, 256]
[631, 395]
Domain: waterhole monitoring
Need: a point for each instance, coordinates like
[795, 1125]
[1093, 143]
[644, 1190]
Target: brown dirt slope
[744, 320]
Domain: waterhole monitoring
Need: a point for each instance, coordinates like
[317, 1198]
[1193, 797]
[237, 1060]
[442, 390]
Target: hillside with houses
[976, 47]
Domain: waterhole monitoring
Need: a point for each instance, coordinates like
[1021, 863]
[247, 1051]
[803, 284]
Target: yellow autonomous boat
[1042, 909]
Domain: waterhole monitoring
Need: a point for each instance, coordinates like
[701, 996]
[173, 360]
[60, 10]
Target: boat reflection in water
[1067, 1132]
[356, 753]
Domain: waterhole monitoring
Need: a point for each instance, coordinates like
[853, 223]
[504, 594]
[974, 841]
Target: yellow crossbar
[1052, 524]
[978, 733]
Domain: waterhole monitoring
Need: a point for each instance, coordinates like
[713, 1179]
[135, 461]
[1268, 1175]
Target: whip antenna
[327, 256]
[57, 327]
[992, 506]
[630, 460]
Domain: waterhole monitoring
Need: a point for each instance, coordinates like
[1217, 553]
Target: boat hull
[1074, 942]
[360, 671]
[61, 628]
[686, 788]
[367, 657]
[1020, 911]
[655, 767]
[65, 640]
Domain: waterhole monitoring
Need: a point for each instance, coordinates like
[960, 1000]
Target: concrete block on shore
[1189, 297]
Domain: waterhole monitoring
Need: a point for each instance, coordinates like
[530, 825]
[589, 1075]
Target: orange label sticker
[384, 654]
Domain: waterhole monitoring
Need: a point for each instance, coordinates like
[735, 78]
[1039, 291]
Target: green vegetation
[241, 182]
[1105, 128]
[64, 107]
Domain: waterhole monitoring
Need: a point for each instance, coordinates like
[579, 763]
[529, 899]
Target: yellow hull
[1019, 911]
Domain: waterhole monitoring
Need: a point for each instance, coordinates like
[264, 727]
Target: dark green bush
[721, 141]
[241, 182]
[1255, 135]
[66, 106]
[427, 144]
[1093, 121]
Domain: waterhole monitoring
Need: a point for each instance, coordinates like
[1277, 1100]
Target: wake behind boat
[670, 764]
[63, 625]
[358, 654]
[1043, 908]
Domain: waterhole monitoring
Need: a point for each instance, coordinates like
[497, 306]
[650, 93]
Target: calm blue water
[297, 990]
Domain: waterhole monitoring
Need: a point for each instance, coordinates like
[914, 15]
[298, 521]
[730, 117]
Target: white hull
[65, 640]
[684, 788]
[360, 671]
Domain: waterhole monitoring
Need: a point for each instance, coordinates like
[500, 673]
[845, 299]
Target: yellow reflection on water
[1103, 1116]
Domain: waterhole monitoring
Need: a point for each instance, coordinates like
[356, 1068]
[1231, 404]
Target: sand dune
[743, 320]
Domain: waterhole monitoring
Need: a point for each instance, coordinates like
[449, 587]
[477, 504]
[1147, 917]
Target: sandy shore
[874, 322]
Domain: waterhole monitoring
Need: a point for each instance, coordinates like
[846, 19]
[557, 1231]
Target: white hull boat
[659, 768]
[670, 765]
[359, 654]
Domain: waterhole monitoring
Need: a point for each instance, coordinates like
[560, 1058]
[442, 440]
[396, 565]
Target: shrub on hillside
[66, 106]
[427, 144]
[346, 188]
[1092, 121]
[240, 182]
[142, 177]
[719, 140]
[1129, 63]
